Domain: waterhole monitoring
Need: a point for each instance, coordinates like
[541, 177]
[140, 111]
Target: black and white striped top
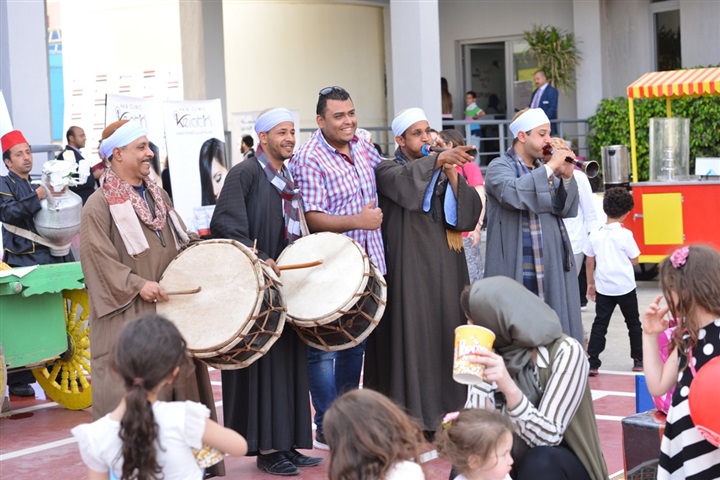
[546, 424]
[685, 454]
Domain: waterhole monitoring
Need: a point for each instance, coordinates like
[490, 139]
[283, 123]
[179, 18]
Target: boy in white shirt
[611, 252]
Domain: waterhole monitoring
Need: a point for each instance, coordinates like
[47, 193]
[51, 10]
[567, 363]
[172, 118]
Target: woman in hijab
[542, 375]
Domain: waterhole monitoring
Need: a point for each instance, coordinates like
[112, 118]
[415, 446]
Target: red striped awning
[676, 83]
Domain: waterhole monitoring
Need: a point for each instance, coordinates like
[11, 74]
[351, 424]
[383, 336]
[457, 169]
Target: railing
[492, 139]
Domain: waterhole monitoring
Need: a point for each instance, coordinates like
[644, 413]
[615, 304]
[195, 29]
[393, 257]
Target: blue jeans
[331, 374]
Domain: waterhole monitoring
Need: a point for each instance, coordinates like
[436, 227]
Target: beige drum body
[335, 305]
[239, 312]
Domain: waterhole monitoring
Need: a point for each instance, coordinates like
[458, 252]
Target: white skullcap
[405, 119]
[529, 120]
[123, 136]
[272, 118]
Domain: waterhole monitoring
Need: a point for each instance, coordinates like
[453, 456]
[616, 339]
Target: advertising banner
[188, 125]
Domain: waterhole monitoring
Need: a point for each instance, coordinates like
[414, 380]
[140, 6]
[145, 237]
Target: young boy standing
[473, 112]
[611, 252]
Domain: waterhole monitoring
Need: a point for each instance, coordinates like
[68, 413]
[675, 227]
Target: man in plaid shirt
[335, 172]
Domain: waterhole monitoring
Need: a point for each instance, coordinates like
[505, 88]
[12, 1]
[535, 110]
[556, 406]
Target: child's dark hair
[147, 351]
[367, 434]
[697, 284]
[617, 202]
[474, 432]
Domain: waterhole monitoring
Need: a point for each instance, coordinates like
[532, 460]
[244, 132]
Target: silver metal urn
[59, 220]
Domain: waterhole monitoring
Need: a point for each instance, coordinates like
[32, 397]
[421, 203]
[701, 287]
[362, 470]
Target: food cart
[44, 326]
[675, 211]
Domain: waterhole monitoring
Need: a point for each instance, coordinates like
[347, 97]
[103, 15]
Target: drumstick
[300, 265]
[184, 292]
[255, 247]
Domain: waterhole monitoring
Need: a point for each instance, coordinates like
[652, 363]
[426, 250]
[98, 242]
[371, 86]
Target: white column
[203, 52]
[415, 63]
[24, 77]
[589, 74]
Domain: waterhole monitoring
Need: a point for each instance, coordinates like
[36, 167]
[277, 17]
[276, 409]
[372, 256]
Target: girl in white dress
[143, 438]
[371, 438]
[478, 443]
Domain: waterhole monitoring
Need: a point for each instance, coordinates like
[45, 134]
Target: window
[666, 34]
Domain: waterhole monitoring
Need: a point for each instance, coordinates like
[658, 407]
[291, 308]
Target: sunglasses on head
[328, 90]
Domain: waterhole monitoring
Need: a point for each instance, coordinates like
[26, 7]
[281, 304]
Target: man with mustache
[267, 402]
[19, 202]
[129, 234]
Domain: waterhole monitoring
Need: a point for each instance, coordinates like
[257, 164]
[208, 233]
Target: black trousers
[604, 307]
[551, 463]
[582, 283]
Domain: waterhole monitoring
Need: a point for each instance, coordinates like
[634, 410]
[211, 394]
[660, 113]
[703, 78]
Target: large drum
[225, 302]
[337, 304]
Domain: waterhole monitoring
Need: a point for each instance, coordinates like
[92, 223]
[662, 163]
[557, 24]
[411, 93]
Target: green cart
[44, 327]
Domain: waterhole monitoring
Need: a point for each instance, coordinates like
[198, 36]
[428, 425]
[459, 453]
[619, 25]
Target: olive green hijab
[520, 321]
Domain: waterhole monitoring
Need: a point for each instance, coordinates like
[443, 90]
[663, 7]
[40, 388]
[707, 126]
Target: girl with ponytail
[144, 438]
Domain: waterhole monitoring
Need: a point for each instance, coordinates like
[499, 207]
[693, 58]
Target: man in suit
[545, 96]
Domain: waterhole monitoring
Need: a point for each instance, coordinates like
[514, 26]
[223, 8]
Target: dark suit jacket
[548, 102]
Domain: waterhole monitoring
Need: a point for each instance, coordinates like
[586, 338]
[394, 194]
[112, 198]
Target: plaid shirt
[333, 183]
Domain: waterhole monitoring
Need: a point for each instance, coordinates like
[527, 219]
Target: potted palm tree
[556, 53]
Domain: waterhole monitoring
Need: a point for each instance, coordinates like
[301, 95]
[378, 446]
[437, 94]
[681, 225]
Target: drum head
[229, 276]
[318, 294]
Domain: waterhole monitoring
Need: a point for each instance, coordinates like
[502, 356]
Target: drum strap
[33, 237]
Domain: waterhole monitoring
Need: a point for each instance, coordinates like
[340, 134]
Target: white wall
[282, 54]
[627, 51]
[490, 20]
[700, 32]
[110, 35]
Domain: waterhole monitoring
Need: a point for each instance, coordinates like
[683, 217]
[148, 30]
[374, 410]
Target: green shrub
[611, 126]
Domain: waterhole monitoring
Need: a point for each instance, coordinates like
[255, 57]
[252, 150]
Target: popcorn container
[469, 339]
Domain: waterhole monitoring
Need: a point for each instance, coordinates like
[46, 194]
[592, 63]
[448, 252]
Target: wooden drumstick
[255, 247]
[300, 265]
[184, 292]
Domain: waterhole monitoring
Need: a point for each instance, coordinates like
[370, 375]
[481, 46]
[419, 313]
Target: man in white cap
[427, 205]
[267, 402]
[335, 172]
[129, 234]
[527, 200]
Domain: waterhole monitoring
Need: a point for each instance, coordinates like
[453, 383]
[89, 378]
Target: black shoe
[276, 463]
[300, 460]
[22, 390]
[637, 365]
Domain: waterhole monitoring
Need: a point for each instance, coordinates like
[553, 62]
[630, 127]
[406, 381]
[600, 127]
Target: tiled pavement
[35, 440]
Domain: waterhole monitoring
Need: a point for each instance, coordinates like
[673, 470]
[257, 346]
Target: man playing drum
[334, 170]
[129, 234]
[410, 355]
[267, 402]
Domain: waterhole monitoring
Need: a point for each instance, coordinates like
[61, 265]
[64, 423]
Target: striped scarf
[283, 182]
[532, 242]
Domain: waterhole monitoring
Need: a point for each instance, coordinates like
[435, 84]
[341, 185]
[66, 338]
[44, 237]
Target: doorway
[500, 73]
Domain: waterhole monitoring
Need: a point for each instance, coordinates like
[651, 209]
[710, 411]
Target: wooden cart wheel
[3, 376]
[68, 380]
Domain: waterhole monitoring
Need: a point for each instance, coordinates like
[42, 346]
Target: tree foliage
[556, 53]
